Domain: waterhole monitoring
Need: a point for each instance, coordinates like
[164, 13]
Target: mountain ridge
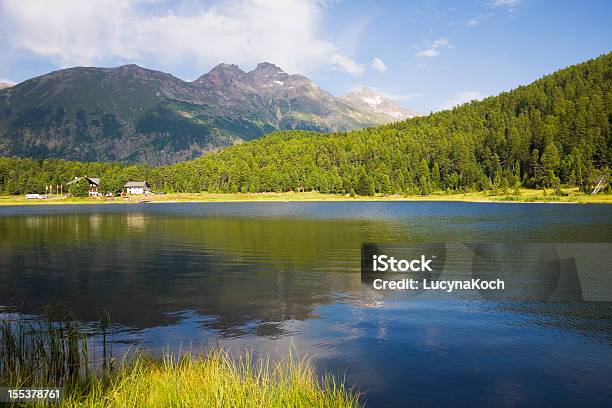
[367, 99]
[553, 132]
[137, 115]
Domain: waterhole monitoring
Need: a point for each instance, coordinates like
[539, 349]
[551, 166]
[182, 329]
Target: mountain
[556, 130]
[136, 115]
[367, 100]
[4, 84]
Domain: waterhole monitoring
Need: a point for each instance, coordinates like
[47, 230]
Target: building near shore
[137, 187]
[94, 183]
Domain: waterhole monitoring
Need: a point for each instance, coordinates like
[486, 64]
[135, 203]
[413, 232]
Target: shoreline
[526, 196]
[211, 376]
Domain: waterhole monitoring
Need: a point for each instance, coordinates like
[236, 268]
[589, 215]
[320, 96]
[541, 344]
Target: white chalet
[137, 187]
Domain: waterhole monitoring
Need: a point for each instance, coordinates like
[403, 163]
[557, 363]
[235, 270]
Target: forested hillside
[554, 131]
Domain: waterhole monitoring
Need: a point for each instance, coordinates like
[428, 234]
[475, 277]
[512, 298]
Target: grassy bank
[54, 352]
[214, 379]
[524, 195]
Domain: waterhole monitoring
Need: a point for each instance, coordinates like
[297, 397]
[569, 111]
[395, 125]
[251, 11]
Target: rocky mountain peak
[266, 73]
[130, 67]
[368, 99]
[268, 68]
[227, 69]
[126, 113]
[222, 74]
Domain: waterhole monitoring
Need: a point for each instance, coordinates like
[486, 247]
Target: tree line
[555, 131]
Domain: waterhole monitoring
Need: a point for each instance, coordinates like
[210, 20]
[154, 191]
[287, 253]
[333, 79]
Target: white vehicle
[34, 197]
[94, 194]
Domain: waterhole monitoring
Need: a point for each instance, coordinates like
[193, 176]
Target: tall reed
[53, 351]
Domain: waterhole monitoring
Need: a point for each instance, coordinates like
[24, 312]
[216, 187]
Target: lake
[273, 277]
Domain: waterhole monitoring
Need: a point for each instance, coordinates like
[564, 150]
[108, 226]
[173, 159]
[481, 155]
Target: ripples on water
[271, 276]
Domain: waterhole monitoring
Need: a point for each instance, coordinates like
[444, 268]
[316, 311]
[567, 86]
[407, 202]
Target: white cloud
[379, 64]
[440, 43]
[430, 52]
[509, 6]
[475, 21]
[170, 34]
[461, 98]
[7, 81]
[435, 46]
[505, 3]
[346, 64]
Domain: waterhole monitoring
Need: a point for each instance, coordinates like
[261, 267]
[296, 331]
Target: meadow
[524, 195]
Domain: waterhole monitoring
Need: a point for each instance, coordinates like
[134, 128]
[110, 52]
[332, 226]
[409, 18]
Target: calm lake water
[277, 276]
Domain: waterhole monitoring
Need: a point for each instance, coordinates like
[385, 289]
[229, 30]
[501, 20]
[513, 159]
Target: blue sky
[427, 55]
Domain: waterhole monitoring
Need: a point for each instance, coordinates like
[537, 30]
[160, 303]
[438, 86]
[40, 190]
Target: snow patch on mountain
[6, 83]
[377, 104]
[373, 101]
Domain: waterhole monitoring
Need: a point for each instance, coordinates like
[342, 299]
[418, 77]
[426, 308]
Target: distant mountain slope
[5, 84]
[131, 114]
[367, 100]
[556, 130]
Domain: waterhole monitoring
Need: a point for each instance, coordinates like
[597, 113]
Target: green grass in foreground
[524, 195]
[213, 380]
[53, 352]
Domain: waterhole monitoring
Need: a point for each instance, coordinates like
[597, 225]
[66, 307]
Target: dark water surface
[272, 276]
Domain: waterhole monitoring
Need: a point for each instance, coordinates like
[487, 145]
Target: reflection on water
[267, 275]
